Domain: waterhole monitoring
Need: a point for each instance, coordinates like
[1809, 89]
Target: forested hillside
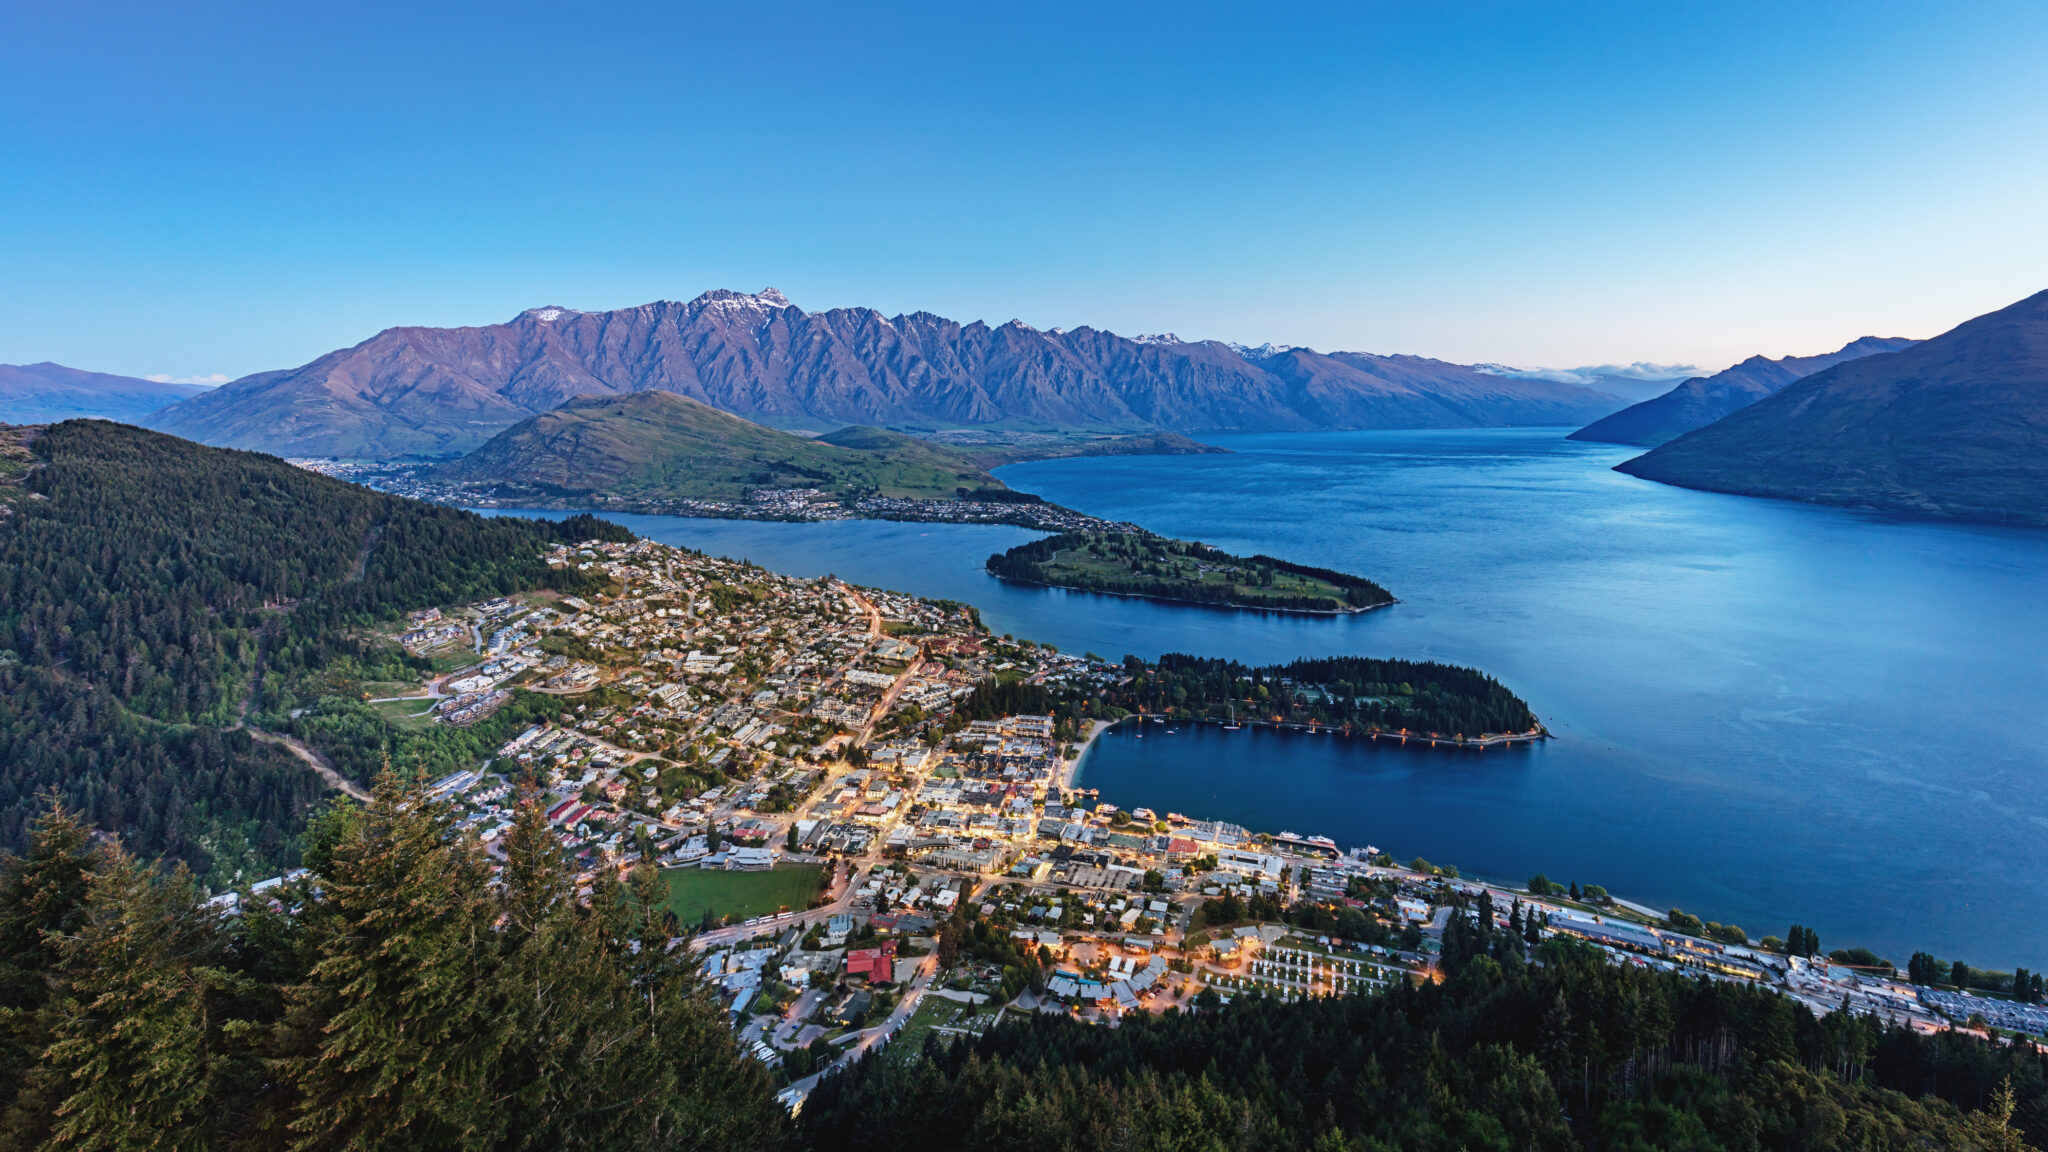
[147, 587]
[396, 1000]
[1569, 1052]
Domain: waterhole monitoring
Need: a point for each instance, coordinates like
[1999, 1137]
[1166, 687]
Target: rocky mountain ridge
[440, 392]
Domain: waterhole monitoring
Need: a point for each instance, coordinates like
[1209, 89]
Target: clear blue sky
[210, 188]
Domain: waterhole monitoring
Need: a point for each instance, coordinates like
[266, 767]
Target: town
[872, 849]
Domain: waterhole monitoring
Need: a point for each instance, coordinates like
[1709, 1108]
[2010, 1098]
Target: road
[875, 1037]
[315, 761]
[889, 699]
[874, 614]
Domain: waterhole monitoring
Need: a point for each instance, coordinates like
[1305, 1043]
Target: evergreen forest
[1363, 693]
[1141, 564]
[155, 592]
[395, 999]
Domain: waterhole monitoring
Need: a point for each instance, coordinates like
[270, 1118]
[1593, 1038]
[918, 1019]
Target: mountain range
[1954, 426]
[440, 392]
[40, 393]
[1700, 401]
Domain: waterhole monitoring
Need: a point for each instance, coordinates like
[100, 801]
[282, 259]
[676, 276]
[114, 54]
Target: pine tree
[536, 874]
[142, 1057]
[42, 900]
[404, 1032]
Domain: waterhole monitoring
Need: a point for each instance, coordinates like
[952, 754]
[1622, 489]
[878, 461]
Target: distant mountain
[1956, 426]
[1632, 382]
[1702, 400]
[46, 393]
[661, 445]
[1631, 387]
[426, 392]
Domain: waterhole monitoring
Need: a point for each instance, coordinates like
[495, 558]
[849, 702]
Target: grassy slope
[658, 444]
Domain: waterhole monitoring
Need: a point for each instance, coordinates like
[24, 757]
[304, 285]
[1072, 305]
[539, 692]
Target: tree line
[1559, 1051]
[1420, 696]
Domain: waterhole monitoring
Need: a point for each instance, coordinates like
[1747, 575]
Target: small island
[1160, 568]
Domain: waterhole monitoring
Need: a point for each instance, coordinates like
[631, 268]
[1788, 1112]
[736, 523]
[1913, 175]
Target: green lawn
[406, 713]
[694, 891]
[377, 688]
[932, 1012]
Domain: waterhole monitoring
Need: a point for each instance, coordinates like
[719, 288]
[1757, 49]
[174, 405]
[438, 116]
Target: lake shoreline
[1481, 743]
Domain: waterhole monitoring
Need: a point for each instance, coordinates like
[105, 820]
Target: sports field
[694, 891]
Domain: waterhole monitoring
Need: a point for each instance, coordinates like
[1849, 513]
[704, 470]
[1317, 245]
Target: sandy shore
[1095, 729]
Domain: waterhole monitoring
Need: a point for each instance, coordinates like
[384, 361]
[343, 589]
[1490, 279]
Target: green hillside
[659, 444]
[153, 590]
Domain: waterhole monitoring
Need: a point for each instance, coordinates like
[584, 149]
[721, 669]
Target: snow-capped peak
[1156, 338]
[550, 313]
[1262, 351]
[757, 301]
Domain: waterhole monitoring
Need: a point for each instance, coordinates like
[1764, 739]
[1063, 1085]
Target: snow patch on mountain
[725, 299]
[1262, 352]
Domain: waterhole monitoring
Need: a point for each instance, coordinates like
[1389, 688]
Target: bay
[1765, 712]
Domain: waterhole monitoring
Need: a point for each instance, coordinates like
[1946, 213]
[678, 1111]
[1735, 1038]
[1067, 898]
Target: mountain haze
[1702, 400]
[425, 392]
[1956, 426]
[46, 393]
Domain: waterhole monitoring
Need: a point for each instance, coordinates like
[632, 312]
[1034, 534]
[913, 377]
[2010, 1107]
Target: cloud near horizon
[1590, 374]
[210, 380]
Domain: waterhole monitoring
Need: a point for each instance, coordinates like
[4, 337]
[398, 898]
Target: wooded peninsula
[1160, 568]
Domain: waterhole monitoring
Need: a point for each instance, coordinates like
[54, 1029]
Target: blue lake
[1766, 712]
